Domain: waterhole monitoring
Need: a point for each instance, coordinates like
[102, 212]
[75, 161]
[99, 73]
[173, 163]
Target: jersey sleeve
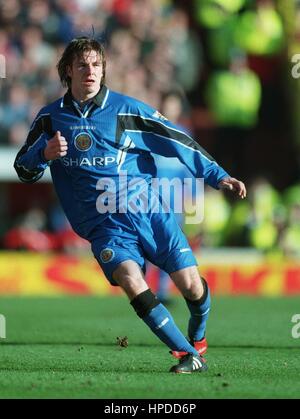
[30, 163]
[155, 134]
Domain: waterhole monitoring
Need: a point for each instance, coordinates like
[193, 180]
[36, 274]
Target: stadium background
[221, 69]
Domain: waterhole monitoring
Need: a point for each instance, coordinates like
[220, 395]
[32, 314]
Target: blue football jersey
[114, 134]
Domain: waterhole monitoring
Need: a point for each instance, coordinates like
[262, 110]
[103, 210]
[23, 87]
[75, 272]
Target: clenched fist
[56, 147]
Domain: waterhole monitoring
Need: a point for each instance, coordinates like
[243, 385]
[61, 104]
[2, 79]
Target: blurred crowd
[148, 45]
[217, 68]
[157, 50]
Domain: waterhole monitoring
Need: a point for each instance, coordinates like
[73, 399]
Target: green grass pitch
[66, 348]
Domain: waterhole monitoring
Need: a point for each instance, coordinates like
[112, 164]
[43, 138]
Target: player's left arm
[160, 136]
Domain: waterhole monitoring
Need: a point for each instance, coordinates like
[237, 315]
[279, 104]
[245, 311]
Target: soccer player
[94, 139]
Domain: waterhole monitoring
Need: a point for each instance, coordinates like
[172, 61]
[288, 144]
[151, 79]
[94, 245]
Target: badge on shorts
[107, 255]
[83, 141]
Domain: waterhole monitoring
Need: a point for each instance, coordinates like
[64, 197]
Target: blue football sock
[162, 324]
[199, 314]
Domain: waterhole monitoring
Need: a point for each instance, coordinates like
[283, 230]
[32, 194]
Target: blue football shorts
[156, 237]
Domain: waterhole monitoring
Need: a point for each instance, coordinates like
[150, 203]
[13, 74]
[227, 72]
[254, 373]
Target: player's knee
[129, 276]
[197, 290]
[193, 286]
[131, 284]
[192, 294]
[144, 303]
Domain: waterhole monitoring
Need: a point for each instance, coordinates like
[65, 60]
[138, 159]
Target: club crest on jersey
[107, 255]
[83, 141]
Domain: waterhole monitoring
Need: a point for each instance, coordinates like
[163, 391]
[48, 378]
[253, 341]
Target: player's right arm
[40, 148]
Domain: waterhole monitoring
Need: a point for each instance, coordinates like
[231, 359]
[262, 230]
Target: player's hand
[57, 147]
[234, 185]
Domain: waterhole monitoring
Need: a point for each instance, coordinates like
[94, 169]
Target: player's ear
[69, 71]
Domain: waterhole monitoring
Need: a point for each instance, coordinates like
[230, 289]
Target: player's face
[86, 74]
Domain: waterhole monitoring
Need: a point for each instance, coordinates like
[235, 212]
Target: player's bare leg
[147, 306]
[189, 283]
[131, 279]
[196, 293]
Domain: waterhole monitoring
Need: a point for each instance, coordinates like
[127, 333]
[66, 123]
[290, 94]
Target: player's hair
[76, 48]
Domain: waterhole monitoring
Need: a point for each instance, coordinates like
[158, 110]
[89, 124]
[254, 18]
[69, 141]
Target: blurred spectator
[291, 234]
[234, 98]
[17, 134]
[216, 217]
[215, 13]
[234, 95]
[17, 108]
[29, 233]
[260, 31]
[263, 232]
